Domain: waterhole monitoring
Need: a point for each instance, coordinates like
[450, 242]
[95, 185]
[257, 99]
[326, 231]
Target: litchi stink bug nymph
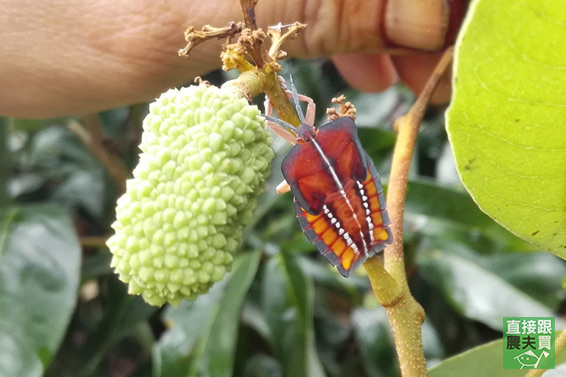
[339, 198]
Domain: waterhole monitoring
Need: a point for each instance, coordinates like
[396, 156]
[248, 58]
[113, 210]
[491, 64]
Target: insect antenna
[296, 100]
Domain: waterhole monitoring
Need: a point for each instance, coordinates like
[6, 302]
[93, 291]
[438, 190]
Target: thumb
[378, 26]
[422, 26]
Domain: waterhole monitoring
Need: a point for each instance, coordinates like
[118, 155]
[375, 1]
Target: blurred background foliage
[283, 311]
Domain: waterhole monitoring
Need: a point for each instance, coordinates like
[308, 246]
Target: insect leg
[283, 187]
[311, 110]
[308, 117]
[276, 126]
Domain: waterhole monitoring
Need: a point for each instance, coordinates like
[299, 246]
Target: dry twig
[196, 37]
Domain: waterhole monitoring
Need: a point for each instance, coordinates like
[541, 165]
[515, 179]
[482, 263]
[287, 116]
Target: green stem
[5, 162]
[256, 81]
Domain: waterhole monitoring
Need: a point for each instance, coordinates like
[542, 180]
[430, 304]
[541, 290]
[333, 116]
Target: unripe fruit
[205, 156]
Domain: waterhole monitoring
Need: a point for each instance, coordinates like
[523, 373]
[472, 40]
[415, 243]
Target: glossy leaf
[508, 116]
[375, 340]
[202, 339]
[485, 360]
[477, 292]
[262, 366]
[124, 315]
[71, 192]
[34, 125]
[39, 275]
[451, 209]
[536, 274]
[288, 298]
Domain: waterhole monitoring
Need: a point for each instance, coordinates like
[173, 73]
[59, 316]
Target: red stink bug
[339, 199]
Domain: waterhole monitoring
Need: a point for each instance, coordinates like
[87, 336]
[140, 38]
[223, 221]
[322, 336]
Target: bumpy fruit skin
[205, 156]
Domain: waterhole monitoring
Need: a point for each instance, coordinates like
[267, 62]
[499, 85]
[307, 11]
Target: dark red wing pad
[341, 145]
[310, 174]
[306, 172]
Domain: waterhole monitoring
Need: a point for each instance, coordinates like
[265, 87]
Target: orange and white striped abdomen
[353, 224]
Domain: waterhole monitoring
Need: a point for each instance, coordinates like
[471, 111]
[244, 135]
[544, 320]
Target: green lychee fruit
[205, 156]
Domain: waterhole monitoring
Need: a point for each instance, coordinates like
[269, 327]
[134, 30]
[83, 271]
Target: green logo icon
[528, 343]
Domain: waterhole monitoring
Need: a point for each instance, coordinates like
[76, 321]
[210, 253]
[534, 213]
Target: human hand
[72, 57]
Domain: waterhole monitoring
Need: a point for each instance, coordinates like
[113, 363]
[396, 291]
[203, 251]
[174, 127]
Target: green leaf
[96, 265]
[288, 299]
[477, 292]
[58, 153]
[188, 323]
[448, 208]
[39, 275]
[262, 365]
[124, 315]
[373, 335]
[202, 341]
[537, 274]
[71, 192]
[483, 361]
[508, 116]
[34, 125]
